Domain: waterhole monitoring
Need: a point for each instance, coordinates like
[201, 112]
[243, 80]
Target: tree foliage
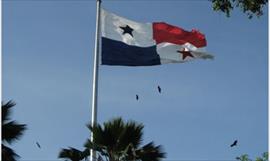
[11, 131]
[116, 140]
[74, 154]
[245, 157]
[249, 7]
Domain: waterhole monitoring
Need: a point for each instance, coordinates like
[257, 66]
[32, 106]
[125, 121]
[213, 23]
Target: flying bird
[234, 143]
[159, 89]
[38, 145]
[137, 97]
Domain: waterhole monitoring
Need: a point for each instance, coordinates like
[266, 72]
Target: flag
[130, 43]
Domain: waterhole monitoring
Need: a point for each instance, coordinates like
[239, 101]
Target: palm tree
[11, 131]
[120, 141]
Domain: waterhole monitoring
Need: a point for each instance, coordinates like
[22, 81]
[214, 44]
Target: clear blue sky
[204, 106]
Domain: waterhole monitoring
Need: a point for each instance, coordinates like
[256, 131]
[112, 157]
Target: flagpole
[95, 77]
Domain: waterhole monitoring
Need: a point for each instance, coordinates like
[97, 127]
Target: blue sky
[204, 106]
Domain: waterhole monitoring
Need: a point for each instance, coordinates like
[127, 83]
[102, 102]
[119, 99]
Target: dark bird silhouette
[159, 89]
[137, 97]
[38, 145]
[234, 143]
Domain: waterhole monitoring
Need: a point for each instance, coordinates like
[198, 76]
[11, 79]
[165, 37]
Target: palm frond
[12, 131]
[108, 134]
[101, 149]
[150, 152]
[6, 112]
[100, 136]
[128, 154]
[131, 134]
[73, 154]
[8, 154]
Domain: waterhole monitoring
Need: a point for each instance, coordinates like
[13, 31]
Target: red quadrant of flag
[163, 32]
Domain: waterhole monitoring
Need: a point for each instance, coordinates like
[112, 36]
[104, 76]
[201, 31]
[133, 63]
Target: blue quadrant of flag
[118, 53]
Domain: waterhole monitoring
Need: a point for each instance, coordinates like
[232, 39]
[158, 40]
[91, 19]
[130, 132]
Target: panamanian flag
[130, 43]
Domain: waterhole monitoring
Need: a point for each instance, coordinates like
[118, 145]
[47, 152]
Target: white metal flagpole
[95, 77]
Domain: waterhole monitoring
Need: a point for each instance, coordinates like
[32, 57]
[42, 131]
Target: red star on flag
[185, 53]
